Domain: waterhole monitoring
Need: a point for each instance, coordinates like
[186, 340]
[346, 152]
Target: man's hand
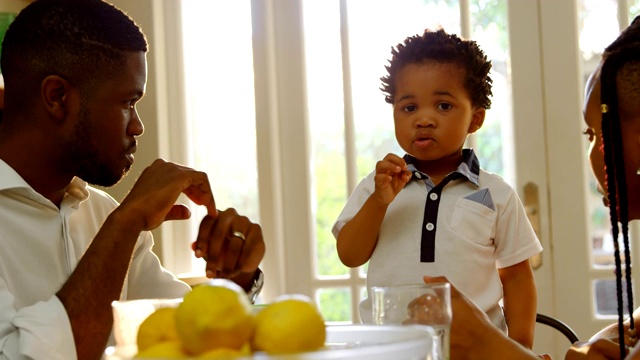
[467, 318]
[473, 336]
[152, 199]
[231, 244]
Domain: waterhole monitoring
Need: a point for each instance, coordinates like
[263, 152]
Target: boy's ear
[477, 119]
[54, 91]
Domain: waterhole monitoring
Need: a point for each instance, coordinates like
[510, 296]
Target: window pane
[493, 142]
[220, 101]
[326, 118]
[598, 21]
[634, 10]
[335, 304]
[605, 295]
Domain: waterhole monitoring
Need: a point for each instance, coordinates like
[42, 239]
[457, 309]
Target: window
[220, 102]
[330, 93]
[343, 72]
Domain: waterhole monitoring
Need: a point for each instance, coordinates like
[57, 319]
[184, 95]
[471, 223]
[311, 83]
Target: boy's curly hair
[443, 48]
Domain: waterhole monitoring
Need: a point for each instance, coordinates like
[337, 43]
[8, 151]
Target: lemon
[290, 324]
[158, 327]
[214, 315]
[163, 350]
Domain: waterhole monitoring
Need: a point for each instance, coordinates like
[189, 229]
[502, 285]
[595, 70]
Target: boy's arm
[520, 301]
[358, 237]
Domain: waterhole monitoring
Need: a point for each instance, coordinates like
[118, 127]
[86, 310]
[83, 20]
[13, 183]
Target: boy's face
[433, 113]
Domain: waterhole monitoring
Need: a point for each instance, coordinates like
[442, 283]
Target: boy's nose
[425, 119]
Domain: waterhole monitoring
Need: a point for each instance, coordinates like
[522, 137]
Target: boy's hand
[391, 177]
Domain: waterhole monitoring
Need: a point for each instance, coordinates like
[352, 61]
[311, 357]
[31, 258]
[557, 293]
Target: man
[74, 71]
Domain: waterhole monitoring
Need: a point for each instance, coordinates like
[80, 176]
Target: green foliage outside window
[335, 304]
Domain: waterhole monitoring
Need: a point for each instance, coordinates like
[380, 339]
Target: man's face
[102, 145]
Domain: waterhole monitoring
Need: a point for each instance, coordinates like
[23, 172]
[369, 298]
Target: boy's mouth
[423, 142]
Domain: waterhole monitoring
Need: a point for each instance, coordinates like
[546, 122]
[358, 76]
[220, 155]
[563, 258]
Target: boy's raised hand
[391, 176]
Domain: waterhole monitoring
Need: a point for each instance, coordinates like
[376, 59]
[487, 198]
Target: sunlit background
[220, 101]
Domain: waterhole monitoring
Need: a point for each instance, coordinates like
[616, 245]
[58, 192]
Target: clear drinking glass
[416, 304]
[129, 314]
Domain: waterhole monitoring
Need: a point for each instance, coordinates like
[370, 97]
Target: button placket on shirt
[427, 248]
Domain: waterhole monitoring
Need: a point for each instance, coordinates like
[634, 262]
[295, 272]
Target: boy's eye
[590, 133]
[444, 106]
[409, 108]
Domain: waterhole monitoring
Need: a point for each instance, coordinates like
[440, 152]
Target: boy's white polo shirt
[475, 225]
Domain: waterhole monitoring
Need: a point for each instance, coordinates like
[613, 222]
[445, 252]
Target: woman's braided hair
[622, 55]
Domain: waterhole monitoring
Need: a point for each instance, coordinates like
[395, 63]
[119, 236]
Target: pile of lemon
[216, 321]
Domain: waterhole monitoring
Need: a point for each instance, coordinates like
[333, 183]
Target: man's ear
[477, 119]
[54, 91]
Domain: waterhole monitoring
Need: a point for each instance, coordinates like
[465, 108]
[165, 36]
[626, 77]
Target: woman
[612, 117]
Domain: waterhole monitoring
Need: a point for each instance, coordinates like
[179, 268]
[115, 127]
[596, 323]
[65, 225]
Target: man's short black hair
[83, 41]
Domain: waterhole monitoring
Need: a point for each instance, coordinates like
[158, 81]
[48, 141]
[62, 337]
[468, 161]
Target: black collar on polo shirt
[469, 168]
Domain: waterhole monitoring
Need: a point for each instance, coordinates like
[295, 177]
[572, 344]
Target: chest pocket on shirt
[474, 221]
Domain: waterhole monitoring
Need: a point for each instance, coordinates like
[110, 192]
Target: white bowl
[371, 342]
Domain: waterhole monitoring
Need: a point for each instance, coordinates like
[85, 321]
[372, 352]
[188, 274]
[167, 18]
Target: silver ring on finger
[239, 235]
